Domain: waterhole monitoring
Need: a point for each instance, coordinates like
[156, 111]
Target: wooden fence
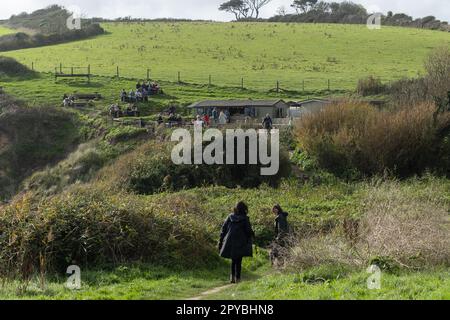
[86, 72]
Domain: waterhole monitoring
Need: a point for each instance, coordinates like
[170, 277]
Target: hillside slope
[261, 53]
[30, 139]
[4, 30]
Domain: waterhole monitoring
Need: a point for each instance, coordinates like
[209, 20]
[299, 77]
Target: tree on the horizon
[237, 7]
[281, 11]
[256, 6]
[304, 6]
[244, 8]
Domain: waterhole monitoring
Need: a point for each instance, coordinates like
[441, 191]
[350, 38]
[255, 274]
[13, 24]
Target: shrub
[311, 251]
[90, 227]
[403, 226]
[434, 86]
[22, 40]
[353, 137]
[370, 86]
[11, 68]
[406, 92]
[149, 169]
[412, 231]
[437, 66]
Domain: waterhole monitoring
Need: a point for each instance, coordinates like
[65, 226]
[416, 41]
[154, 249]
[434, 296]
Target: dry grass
[414, 232]
[404, 225]
[352, 135]
[370, 86]
[437, 66]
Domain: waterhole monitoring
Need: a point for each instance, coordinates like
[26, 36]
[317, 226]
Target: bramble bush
[88, 226]
[402, 226]
[149, 169]
[370, 86]
[352, 139]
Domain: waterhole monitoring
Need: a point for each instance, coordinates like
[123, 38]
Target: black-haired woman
[236, 240]
[281, 232]
[281, 223]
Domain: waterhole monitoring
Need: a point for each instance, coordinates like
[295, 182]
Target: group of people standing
[236, 237]
[115, 111]
[215, 117]
[142, 92]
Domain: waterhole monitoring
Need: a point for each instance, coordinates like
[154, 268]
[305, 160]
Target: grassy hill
[261, 53]
[4, 30]
[79, 203]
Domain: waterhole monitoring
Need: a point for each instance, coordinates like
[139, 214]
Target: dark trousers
[236, 268]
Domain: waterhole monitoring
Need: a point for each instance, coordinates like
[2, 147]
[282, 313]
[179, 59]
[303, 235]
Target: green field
[261, 53]
[4, 30]
[158, 283]
[43, 89]
[408, 285]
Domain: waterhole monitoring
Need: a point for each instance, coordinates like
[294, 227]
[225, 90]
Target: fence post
[60, 68]
[278, 86]
[242, 83]
[71, 70]
[179, 76]
[303, 85]
[32, 66]
[117, 72]
[328, 84]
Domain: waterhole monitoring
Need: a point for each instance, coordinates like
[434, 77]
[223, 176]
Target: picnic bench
[81, 100]
[87, 96]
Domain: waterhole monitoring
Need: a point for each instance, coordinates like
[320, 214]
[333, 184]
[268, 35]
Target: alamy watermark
[374, 21]
[229, 150]
[74, 280]
[74, 21]
[374, 281]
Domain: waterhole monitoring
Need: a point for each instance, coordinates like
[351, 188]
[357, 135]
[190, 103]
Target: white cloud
[207, 9]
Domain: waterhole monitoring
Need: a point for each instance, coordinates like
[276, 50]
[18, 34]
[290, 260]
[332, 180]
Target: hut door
[280, 113]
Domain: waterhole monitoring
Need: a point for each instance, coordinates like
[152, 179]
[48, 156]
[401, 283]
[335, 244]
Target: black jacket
[236, 237]
[281, 225]
[267, 123]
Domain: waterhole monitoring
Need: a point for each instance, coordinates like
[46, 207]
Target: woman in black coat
[236, 240]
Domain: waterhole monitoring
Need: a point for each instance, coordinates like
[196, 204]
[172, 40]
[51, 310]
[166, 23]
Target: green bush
[11, 68]
[149, 170]
[89, 227]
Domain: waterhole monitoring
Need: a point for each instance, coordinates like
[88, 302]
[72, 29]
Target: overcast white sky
[207, 9]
